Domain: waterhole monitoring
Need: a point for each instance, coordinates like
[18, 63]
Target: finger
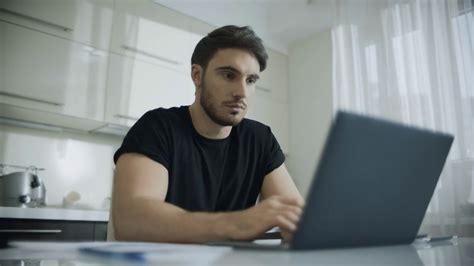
[285, 224]
[291, 217]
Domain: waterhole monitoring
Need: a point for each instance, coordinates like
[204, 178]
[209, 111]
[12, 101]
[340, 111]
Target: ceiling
[278, 22]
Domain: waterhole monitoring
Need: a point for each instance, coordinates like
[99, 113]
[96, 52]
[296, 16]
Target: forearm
[147, 219]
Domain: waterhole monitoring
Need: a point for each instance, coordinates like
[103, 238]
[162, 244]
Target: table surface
[454, 252]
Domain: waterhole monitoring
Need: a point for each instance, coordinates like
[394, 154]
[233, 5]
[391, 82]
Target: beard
[211, 109]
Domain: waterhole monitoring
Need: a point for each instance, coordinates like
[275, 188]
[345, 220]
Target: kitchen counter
[49, 213]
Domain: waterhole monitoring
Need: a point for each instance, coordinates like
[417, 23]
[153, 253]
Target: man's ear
[196, 74]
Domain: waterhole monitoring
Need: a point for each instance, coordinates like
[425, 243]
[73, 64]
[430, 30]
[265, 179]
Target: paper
[140, 251]
[53, 246]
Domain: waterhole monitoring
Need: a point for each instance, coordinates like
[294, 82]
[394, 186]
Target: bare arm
[141, 214]
[139, 211]
[280, 183]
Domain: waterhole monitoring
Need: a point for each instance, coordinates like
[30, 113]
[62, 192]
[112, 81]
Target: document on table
[139, 251]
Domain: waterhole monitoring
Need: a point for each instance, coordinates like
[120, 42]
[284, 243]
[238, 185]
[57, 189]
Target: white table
[455, 252]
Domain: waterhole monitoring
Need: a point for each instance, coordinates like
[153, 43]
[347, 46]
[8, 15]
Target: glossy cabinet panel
[109, 62]
[44, 72]
[88, 22]
[137, 86]
[149, 32]
[24, 53]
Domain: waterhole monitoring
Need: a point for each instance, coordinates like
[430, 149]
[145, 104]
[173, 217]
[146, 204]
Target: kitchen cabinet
[150, 32]
[150, 62]
[54, 230]
[137, 86]
[85, 21]
[83, 64]
[55, 224]
[40, 72]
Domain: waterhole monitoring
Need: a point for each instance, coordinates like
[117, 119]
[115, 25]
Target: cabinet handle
[126, 117]
[34, 231]
[138, 51]
[44, 22]
[28, 98]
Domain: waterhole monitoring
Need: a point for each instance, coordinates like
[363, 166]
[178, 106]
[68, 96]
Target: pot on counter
[22, 189]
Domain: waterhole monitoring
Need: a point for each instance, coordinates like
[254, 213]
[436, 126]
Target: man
[192, 174]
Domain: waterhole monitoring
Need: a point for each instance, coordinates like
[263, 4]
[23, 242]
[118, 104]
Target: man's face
[226, 85]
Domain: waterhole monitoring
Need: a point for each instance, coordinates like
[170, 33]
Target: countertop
[457, 252]
[48, 213]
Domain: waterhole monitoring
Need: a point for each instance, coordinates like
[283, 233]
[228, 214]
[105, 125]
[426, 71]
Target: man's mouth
[236, 107]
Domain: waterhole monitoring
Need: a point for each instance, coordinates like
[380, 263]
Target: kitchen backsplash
[72, 161]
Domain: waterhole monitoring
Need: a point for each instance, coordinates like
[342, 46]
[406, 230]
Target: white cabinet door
[44, 72]
[88, 22]
[152, 33]
[272, 113]
[136, 86]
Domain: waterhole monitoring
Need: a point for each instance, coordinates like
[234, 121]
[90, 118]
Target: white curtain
[413, 61]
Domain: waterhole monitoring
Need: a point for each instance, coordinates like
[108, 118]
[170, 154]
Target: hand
[280, 211]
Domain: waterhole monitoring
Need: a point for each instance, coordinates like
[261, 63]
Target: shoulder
[250, 127]
[159, 121]
[154, 133]
[163, 118]
[173, 113]
[260, 137]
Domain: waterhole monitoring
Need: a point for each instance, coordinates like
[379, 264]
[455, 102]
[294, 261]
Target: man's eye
[228, 75]
[251, 80]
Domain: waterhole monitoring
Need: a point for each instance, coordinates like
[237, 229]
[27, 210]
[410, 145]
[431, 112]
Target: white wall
[72, 161]
[310, 104]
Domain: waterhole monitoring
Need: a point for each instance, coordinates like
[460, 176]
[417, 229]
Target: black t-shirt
[205, 174]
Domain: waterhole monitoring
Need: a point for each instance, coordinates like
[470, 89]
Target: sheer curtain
[413, 61]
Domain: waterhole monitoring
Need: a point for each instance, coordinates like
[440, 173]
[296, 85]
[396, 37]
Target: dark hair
[229, 37]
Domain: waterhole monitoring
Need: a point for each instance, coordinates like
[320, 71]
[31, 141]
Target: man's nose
[241, 89]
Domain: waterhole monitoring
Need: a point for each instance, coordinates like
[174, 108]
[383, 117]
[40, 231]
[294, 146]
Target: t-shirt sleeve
[275, 157]
[148, 136]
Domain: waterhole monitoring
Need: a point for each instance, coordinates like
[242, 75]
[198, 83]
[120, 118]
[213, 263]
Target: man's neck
[204, 124]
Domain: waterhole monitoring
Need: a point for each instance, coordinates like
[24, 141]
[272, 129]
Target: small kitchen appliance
[21, 188]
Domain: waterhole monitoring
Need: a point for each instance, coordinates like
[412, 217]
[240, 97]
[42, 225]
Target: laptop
[372, 186]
